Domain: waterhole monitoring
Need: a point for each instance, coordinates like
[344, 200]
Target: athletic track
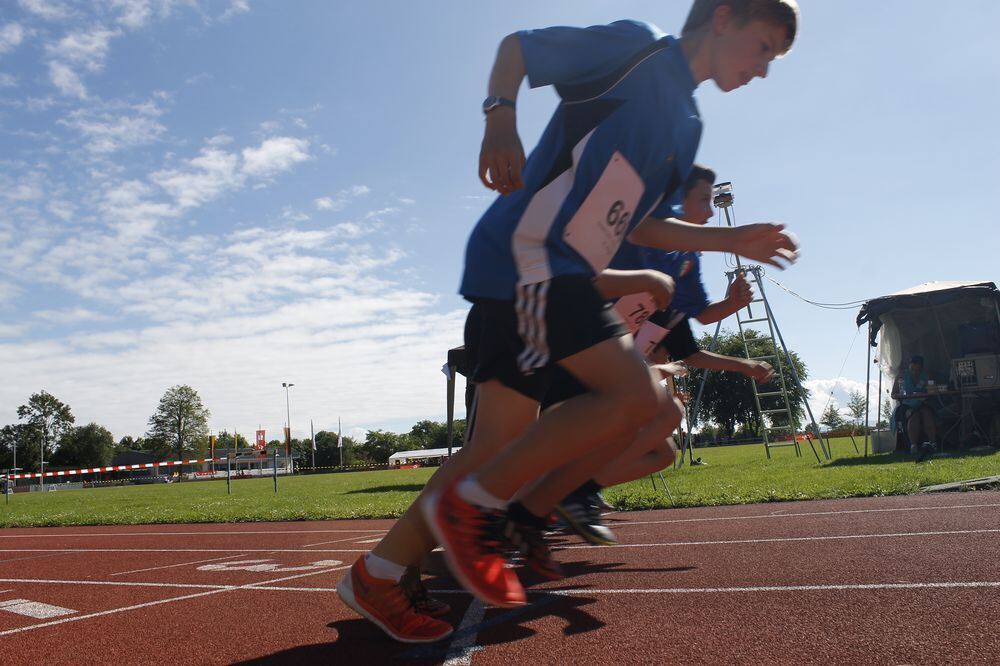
[900, 580]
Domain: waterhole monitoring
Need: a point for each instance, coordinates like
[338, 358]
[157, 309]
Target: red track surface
[885, 581]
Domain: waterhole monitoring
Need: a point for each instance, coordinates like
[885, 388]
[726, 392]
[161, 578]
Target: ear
[721, 18]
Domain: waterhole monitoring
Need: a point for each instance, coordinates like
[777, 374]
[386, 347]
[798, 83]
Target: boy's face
[743, 51]
[698, 203]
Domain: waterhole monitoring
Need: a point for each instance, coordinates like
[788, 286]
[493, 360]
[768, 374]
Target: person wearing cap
[920, 427]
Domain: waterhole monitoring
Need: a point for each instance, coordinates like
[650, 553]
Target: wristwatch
[494, 102]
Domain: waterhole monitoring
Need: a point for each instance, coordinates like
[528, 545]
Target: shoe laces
[527, 540]
[413, 586]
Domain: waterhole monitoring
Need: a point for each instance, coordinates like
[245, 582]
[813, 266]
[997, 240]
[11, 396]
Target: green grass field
[733, 475]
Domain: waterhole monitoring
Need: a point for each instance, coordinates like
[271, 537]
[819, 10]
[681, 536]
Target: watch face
[491, 103]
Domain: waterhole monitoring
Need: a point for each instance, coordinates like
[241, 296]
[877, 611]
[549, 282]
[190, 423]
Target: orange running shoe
[473, 542]
[385, 603]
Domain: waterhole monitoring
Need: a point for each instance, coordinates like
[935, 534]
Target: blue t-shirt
[620, 142]
[684, 267]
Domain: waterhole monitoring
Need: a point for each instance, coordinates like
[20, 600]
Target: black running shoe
[584, 517]
[534, 552]
[420, 599]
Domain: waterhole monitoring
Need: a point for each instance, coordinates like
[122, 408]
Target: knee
[667, 452]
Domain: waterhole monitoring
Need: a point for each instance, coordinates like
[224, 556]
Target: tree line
[178, 428]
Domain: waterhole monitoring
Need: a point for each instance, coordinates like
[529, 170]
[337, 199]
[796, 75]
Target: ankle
[379, 567]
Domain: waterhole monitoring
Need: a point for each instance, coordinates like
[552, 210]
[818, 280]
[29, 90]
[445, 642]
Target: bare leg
[555, 486]
[623, 398]
[502, 415]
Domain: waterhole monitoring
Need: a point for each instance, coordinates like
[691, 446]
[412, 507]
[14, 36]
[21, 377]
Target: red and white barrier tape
[115, 468]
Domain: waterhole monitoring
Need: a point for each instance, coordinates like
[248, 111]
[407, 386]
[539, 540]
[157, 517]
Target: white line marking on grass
[249, 586]
[169, 566]
[463, 646]
[34, 609]
[627, 523]
[784, 539]
[215, 533]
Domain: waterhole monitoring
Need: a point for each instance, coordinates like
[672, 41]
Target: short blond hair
[780, 12]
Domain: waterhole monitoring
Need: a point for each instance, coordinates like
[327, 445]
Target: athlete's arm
[762, 242]
[759, 371]
[501, 157]
[739, 296]
[613, 284]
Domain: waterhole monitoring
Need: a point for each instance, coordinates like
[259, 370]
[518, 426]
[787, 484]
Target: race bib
[635, 309]
[648, 337]
[598, 227]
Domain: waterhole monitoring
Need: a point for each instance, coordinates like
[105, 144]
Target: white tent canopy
[421, 454]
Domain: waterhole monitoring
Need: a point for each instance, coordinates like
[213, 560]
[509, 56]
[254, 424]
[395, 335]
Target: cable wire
[827, 306]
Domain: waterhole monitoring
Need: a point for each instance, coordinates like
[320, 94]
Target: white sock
[379, 567]
[470, 490]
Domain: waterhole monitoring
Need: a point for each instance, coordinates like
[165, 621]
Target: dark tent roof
[924, 295]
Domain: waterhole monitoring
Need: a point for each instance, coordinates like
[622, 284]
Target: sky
[232, 194]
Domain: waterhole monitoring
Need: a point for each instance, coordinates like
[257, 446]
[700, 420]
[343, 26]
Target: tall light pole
[288, 422]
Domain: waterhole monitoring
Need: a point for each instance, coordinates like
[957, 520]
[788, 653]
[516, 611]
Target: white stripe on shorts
[530, 307]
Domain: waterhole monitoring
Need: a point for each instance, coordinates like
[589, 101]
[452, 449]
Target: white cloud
[836, 391]
[134, 14]
[70, 316]
[50, 10]
[84, 49]
[343, 198]
[235, 8]
[324, 203]
[11, 35]
[7, 80]
[274, 155]
[66, 80]
[202, 178]
[108, 132]
[87, 49]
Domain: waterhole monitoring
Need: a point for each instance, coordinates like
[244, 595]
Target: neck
[693, 48]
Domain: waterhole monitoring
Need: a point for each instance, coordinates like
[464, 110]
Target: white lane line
[627, 523]
[180, 550]
[323, 543]
[34, 609]
[249, 586]
[216, 533]
[463, 646]
[169, 566]
[945, 585]
[731, 542]
[791, 588]
[182, 586]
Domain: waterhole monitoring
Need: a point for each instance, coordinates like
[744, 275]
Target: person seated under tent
[914, 413]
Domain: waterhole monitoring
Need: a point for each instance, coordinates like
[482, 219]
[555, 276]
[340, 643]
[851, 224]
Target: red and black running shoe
[473, 541]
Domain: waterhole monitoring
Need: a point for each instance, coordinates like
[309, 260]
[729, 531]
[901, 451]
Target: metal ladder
[776, 400]
[781, 361]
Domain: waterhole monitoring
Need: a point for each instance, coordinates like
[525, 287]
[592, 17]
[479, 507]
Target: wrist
[501, 115]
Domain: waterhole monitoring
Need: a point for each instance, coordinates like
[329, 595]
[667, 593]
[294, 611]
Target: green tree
[857, 405]
[327, 452]
[47, 419]
[91, 445]
[15, 436]
[180, 419]
[728, 399]
[379, 445]
[428, 434]
[832, 418]
[887, 410]
[226, 440]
